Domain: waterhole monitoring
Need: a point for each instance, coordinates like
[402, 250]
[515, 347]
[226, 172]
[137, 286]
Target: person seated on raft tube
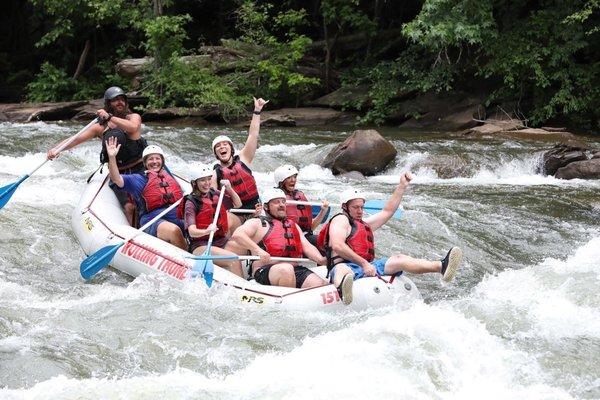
[285, 178]
[349, 244]
[276, 235]
[198, 211]
[116, 120]
[153, 190]
[236, 167]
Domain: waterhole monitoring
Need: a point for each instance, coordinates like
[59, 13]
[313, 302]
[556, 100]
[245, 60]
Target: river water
[521, 320]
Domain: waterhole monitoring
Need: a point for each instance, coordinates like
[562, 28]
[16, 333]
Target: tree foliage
[543, 57]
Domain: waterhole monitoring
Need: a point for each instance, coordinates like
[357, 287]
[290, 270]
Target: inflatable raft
[98, 220]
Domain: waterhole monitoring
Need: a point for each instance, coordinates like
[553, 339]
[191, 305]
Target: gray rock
[365, 151]
[352, 176]
[561, 155]
[588, 169]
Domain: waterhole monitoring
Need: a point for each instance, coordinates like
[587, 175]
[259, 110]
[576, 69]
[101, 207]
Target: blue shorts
[378, 263]
[153, 229]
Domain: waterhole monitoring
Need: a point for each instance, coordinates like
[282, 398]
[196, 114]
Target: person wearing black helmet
[116, 120]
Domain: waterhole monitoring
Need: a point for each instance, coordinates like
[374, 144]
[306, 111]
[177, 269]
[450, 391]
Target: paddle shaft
[65, 144]
[211, 235]
[249, 258]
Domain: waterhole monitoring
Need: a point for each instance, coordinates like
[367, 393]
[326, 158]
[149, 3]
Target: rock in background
[365, 151]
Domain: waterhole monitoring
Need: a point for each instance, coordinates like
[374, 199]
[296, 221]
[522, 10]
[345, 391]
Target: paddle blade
[208, 273]
[97, 261]
[373, 206]
[7, 191]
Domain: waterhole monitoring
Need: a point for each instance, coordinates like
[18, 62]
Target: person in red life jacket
[236, 167]
[116, 120]
[285, 178]
[349, 243]
[199, 212]
[275, 235]
[153, 191]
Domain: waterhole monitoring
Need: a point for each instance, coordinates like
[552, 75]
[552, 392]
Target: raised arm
[249, 150]
[112, 148]
[375, 221]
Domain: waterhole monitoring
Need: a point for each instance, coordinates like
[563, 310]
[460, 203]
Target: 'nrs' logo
[253, 299]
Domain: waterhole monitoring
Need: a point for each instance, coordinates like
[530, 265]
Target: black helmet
[113, 92]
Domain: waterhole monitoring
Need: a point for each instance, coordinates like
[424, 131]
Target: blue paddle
[101, 258]
[7, 191]
[371, 206]
[205, 266]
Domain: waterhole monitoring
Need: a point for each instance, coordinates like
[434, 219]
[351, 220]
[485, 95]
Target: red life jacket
[242, 181]
[301, 214]
[161, 190]
[205, 213]
[360, 239]
[282, 239]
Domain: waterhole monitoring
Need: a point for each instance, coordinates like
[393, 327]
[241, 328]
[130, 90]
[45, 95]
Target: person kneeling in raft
[198, 211]
[276, 235]
[285, 178]
[349, 245]
[153, 191]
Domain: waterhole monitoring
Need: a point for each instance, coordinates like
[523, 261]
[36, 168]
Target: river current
[521, 319]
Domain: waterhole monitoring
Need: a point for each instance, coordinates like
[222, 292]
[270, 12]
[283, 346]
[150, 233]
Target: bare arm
[317, 220]
[94, 131]
[338, 232]
[132, 124]
[249, 150]
[311, 251]
[226, 185]
[244, 234]
[112, 148]
[375, 221]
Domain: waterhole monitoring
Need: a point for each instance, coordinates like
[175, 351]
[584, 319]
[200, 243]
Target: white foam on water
[285, 149]
[419, 354]
[553, 300]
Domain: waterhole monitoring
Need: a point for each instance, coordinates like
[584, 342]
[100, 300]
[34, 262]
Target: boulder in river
[587, 169]
[365, 151]
[561, 155]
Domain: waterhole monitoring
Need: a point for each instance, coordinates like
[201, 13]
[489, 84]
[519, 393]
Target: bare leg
[282, 274]
[169, 232]
[234, 222]
[129, 212]
[313, 280]
[233, 266]
[400, 262]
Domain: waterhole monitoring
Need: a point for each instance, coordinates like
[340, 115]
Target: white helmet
[284, 172]
[202, 171]
[219, 139]
[351, 194]
[152, 149]
[272, 193]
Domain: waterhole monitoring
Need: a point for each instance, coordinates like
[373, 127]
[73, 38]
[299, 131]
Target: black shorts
[262, 274]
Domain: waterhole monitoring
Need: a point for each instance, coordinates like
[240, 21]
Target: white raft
[98, 221]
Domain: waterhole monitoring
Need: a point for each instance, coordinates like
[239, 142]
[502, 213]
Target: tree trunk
[82, 57]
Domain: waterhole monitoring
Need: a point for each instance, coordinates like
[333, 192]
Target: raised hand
[405, 179]
[112, 146]
[259, 103]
